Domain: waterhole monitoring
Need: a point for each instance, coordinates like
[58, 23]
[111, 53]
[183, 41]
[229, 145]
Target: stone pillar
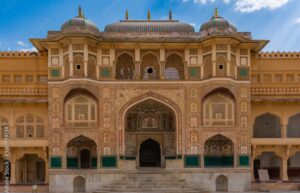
[85, 59]
[162, 56]
[284, 169]
[252, 168]
[137, 59]
[228, 62]
[13, 170]
[46, 164]
[214, 60]
[71, 59]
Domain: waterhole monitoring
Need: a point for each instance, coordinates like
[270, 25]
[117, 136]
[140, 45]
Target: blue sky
[274, 20]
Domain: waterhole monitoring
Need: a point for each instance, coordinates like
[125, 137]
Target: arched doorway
[150, 119]
[81, 153]
[85, 158]
[150, 154]
[32, 169]
[221, 184]
[218, 152]
[79, 185]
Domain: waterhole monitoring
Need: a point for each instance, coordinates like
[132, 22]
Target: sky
[274, 20]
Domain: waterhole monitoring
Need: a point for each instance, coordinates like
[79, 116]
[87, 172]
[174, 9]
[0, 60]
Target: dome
[79, 24]
[147, 26]
[218, 24]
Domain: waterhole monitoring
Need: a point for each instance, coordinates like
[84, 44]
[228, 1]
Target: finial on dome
[149, 15]
[126, 15]
[170, 15]
[80, 12]
[216, 14]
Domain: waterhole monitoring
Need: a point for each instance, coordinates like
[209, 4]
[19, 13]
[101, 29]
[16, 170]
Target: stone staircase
[150, 183]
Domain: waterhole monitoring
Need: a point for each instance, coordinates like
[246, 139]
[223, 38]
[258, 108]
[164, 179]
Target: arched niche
[267, 125]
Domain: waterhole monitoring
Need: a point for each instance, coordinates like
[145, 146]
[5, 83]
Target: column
[137, 59]
[200, 63]
[162, 63]
[46, 164]
[284, 169]
[228, 62]
[284, 126]
[186, 61]
[214, 58]
[13, 168]
[99, 61]
[85, 59]
[71, 59]
[252, 168]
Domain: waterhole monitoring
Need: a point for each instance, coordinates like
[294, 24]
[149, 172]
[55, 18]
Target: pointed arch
[78, 65]
[125, 66]
[79, 184]
[222, 183]
[30, 126]
[293, 127]
[218, 151]
[160, 99]
[174, 68]
[219, 108]
[150, 67]
[267, 125]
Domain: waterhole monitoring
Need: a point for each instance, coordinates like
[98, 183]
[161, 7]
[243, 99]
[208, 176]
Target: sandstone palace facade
[94, 108]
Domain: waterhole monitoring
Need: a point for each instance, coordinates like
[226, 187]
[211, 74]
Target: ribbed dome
[147, 26]
[218, 24]
[79, 24]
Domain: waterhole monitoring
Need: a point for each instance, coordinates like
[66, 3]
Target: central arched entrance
[150, 133]
[150, 154]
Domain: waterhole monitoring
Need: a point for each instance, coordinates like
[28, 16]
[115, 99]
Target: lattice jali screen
[207, 61]
[80, 111]
[30, 126]
[125, 67]
[3, 125]
[218, 145]
[67, 65]
[219, 110]
[174, 68]
[150, 67]
[78, 65]
[221, 65]
[92, 66]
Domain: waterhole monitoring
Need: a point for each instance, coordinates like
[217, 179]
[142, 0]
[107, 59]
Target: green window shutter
[72, 162]
[109, 161]
[243, 72]
[194, 72]
[191, 161]
[94, 162]
[218, 161]
[105, 72]
[244, 160]
[55, 162]
[55, 73]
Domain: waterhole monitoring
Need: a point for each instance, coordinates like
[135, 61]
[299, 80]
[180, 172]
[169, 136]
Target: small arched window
[219, 110]
[174, 67]
[29, 126]
[81, 111]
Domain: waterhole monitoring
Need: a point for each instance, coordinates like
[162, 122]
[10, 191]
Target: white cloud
[33, 49]
[297, 20]
[255, 5]
[249, 5]
[21, 43]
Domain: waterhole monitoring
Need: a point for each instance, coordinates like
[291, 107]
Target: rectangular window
[6, 78]
[29, 78]
[42, 78]
[18, 78]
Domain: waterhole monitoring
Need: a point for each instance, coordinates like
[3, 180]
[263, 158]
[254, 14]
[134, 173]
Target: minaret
[216, 14]
[80, 12]
[170, 15]
[126, 15]
[149, 15]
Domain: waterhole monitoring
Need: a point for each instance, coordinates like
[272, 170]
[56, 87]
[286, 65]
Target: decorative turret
[217, 24]
[79, 24]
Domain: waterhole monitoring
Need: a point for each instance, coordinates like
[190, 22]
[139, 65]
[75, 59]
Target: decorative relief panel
[194, 107]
